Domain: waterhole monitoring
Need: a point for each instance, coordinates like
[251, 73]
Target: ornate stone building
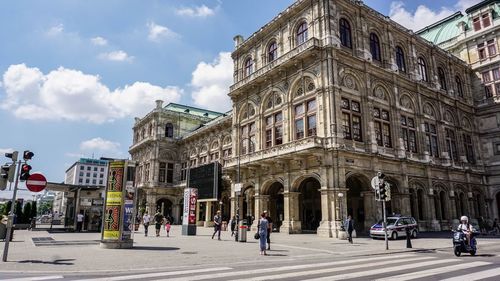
[325, 95]
[474, 37]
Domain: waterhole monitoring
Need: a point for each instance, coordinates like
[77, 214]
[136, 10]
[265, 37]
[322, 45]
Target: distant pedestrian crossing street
[408, 266]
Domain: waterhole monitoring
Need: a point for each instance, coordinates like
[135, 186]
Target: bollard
[408, 238]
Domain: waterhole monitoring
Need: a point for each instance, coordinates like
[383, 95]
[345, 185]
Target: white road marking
[332, 270]
[283, 268]
[36, 278]
[434, 271]
[476, 275]
[374, 271]
[159, 274]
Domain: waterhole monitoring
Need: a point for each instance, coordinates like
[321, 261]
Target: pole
[385, 226]
[237, 194]
[10, 220]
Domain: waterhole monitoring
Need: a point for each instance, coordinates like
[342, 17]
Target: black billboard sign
[206, 179]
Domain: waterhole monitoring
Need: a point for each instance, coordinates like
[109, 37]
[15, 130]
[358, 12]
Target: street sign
[36, 182]
[375, 182]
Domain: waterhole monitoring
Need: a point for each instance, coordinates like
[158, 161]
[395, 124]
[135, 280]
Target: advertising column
[118, 207]
[189, 216]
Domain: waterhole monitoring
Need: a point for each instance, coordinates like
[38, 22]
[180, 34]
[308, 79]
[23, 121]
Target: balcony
[298, 51]
[286, 150]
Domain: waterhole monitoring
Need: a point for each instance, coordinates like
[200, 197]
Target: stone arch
[407, 102]
[466, 124]
[298, 180]
[358, 198]
[382, 92]
[295, 26]
[247, 111]
[276, 96]
[309, 213]
[273, 201]
[248, 207]
[302, 82]
[351, 80]
[227, 140]
[441, 202]
[418, 205]
[214, 145]
[165, 205]
[430, 111]
[266, 186]
[449, 117]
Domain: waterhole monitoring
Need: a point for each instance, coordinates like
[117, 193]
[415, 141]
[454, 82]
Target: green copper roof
[192, 110]
[443, 30]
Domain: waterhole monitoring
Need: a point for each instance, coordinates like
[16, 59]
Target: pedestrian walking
[79, 221]
[167, 227]
[496, 227]
[269, 229]
[158, 222]
[146, 219]
[349, 227]
[232, 225]
[217, 225]
[263, 227]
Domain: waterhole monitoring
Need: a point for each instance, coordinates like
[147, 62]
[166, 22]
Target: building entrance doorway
[310, 205]
[356, 202]
[498, 203]
[164, 206]
[276, 206]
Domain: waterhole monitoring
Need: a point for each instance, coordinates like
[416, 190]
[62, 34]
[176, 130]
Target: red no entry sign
[36, 182]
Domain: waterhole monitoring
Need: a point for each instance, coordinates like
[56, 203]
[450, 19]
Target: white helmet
[464, 218]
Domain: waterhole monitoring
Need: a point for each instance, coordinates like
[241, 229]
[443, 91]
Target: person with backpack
[232, 224]
[158, 222]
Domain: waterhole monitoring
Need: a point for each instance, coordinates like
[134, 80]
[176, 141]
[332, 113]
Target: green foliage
[45, 208]
[7, 208]
[19, 212]
[33, 210]
[27, 213]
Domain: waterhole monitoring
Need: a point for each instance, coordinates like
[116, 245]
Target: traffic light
[27, 155]
[25, 172]
[6, 175]
[382, 192]
[12, 155]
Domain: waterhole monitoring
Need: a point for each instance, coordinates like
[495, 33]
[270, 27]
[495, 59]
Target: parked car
[396, 227]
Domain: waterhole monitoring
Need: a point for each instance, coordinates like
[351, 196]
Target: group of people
[159, 220]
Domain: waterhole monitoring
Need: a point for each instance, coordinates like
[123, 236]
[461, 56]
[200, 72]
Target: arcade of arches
[305, 206]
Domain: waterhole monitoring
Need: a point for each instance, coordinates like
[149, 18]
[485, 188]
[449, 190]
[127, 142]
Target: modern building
[325, 95]
[474, 36]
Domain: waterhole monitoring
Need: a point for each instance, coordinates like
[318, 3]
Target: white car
[396, 227]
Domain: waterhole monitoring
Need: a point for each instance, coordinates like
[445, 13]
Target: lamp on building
[340, 195]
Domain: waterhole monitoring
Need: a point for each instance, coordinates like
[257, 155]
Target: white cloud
[74, 155]
[211, 81]
[55, 30]
[116, 56]
[100, 144]
[99, 41]
[423, 15]
[158, 32]
[67, 94]
[199, 11]
[5, 150]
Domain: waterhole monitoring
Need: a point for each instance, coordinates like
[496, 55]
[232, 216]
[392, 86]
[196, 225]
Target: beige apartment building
[325, 95]
[474, 36]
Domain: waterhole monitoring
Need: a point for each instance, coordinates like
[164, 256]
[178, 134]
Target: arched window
[302, 33]
[437, 207]
[460, 89]
[375, 47]
[345, 33]
[248, 67]
[272, 51]
[442, 79]
[420, 201]
[442, 198]
[400, 59]
[169, 130]
[422, 69]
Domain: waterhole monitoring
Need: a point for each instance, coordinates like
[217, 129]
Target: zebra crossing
[407, 266]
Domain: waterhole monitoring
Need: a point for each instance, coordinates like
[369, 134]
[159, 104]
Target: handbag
[256, 236]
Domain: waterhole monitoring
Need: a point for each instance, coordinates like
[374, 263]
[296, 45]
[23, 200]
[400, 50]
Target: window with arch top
[345, 33]
[460, 89]
[442, 78]
[302, 33]
[375, 47]
[248, 67]
[272, 51]
[400, 59]
[422, 69]
[169, 130]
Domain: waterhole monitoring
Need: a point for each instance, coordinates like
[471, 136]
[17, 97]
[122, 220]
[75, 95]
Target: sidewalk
[75, 252]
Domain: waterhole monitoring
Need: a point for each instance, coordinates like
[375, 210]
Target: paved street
[77, 256]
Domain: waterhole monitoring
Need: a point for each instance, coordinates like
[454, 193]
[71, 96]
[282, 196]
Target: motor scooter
[460, 243]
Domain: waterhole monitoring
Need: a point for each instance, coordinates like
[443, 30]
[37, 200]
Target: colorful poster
[114, 201]
[190, 198]
[112, 222]
[115, 177]
[128, 216]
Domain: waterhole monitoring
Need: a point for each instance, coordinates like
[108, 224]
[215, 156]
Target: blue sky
[76, 72]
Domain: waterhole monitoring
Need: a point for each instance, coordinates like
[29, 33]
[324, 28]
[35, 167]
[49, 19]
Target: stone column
[261, 204]
[325, 227]
[208, 215]
[291, 223]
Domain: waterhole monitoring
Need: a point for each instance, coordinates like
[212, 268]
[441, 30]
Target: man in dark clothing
[158, 222]
[269, 230]
[217, 224]
[349, 227]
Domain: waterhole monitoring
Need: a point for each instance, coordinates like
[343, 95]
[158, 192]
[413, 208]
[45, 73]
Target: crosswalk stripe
[477, 275]
[39, 278]
[284, 268]
[430, 272]
[374, 271]
[332, 270]
[158, 274]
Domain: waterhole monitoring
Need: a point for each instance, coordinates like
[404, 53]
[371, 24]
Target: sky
[75, 73]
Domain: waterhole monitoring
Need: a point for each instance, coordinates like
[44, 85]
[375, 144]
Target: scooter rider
[466, 228]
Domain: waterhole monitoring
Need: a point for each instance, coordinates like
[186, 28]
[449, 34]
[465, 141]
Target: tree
[46, 208]
[7, 208]
[33, 210]
[19, 213]
[27, 213]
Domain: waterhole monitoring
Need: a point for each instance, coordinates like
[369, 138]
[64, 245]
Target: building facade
[325, 95]
[473, 37]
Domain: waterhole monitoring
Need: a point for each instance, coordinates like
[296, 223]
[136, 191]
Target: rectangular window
[469, 149]
[488, 91]
[184, 171]
[311, 125]
[382, 127]
[248, 138]
[146, 172]
[101, 175]
[492, 49]
[102, 169]
[269, 137]
[94, 182]
[351, 119]
[486, 20]
[80, 180]
[346, 124]
[94, 175]
[481, 51]
[162, 171]
[88, 168]
[431, 140]
[305, 119]
[87, 181]
[100, 182]
[95, 169]
[408, 133]
[273, 133]
[278, 135]
[81, 174]
[496, 74]
[88, 174]
[451, 144]
[476, 23]
[299, 129]
[486, 77]
[82, 168]
[170, 172]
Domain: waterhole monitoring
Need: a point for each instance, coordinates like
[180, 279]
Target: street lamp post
[341, 210]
